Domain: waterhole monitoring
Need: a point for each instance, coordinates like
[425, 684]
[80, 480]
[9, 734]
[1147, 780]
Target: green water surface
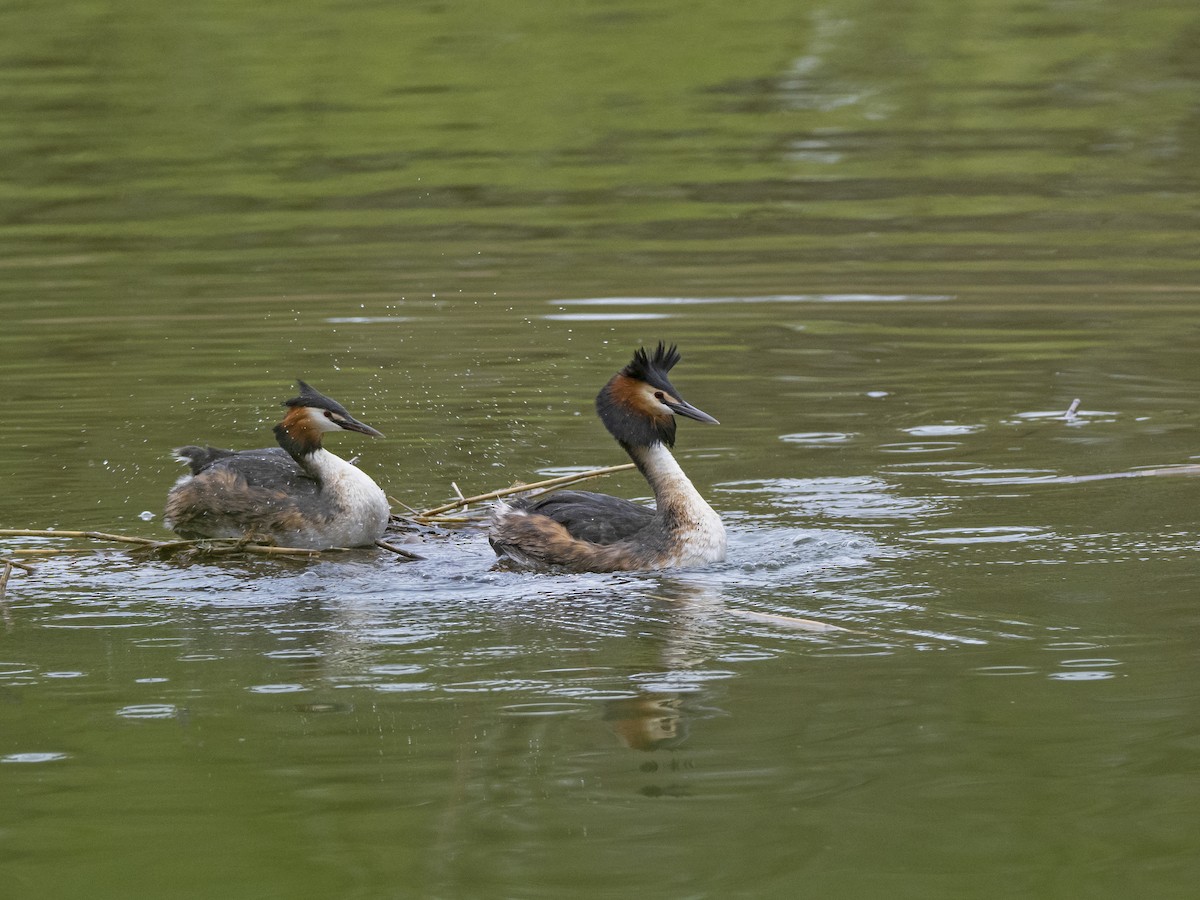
[894, 242]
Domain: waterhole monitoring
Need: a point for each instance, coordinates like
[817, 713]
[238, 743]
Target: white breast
[361, 506]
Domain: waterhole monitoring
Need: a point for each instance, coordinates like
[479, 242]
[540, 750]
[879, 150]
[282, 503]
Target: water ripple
[277, 688]
[920, 447]
[604, 317]
[1005, 670]
[402, 687]
[769, 298]
[538, 710]
[33, 757]
[818, 438]
[148, 711]
[941, 430]
[305, 653]
[1078, 418]
[853, 498]
[999, 534]
[111, 619]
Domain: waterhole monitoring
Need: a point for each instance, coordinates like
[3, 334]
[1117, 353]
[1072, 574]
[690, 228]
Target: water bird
[581, 531]
[296, 495]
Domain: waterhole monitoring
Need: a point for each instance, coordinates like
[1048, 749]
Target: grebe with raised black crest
[581, 531]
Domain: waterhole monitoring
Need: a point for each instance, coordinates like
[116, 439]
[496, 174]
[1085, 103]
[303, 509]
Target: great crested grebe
[297, 494]
[580, 531]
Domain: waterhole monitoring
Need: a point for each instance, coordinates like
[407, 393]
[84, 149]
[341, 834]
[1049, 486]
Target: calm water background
[894, 241]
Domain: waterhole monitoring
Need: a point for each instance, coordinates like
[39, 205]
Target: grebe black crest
[581, 531]
[297, 494]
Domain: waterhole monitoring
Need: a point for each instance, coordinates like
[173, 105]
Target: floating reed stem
[151, 545]
[519, 489]
[399, 551]
[217, 548]
[12, 563]
[49, 551]
[90, 535]
[6, 569]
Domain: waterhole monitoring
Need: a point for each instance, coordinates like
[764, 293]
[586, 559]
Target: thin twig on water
[204, 547]
[7, 570]
[397, 502]
[50, 551]
[521, 489]
[217, 549]
[399, 551]
[89, 535]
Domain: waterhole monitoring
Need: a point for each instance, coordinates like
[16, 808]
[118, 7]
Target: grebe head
[325, 413]
[639, 404]
[312, 414]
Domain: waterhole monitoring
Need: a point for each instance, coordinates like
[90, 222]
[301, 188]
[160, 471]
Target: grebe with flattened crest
[296, 495]
[581, 531]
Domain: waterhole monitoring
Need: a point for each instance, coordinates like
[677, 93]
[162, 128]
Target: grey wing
[599, 518]
[266, 467]
[270, 467]
[200, 458]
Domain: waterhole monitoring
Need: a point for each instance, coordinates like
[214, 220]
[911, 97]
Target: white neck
[673, 490]
[324, 466]
[700, 531]
[666, 476]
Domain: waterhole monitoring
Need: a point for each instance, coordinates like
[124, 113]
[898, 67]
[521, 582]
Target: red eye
[659, 395]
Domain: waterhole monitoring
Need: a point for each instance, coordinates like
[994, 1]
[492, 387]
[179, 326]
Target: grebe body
[581, 531]
[296, 495]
